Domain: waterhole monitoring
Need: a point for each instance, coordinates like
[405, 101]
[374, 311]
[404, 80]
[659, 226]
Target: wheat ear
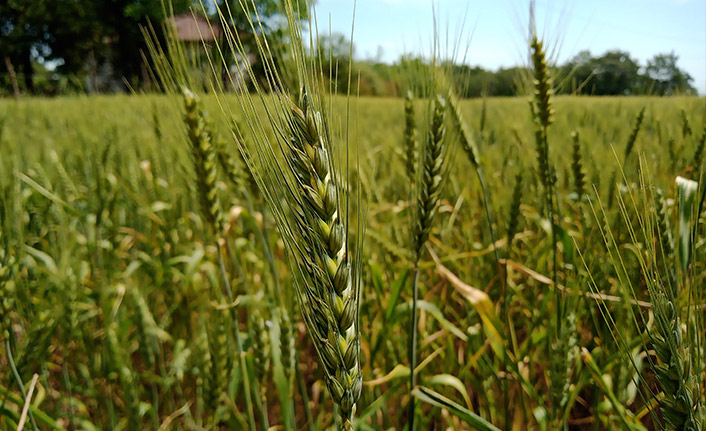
[328, 293]
[431, 179]
[156, 124]
[633, 135]
[699, 153]
[542, 114]
[514, 212]
[680, 405]
[410, 137]
[205, 161]
[685, 126]
[577, 166]
[7, 300]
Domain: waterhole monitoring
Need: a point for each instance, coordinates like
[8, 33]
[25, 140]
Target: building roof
[194, 28]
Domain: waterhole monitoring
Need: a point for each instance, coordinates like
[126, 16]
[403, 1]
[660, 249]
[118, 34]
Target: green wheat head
[204, 157]
[327, 289]
[7, 300]
[410, 137]
[542, 111]
[514, 211]
[685, 126]
[680, 405]
[577, 166]
[635, 131]
[432, 175]
[699, 153]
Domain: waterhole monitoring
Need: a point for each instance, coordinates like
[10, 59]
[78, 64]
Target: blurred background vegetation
[86, 46]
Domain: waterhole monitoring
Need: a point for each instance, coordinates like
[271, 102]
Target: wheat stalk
[205, 162]
[542, 113]
[470, 148]
[120, 364]
[428, 191]
[680, 405]
[7, 305]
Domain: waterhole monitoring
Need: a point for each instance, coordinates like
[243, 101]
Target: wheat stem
[18, 379]
[413, 349]
[67, 383]
[238, 342]
[427, 203]
[473, 155]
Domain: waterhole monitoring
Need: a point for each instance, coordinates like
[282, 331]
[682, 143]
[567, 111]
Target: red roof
[194, 28]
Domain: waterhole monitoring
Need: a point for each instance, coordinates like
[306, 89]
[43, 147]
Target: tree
[70, 32]
[20, 33]
[122, 22]
[333, 52]
[615, 73]
[575, 74]
[665, 78]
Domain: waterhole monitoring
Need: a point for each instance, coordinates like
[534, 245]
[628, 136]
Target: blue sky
[387, 28]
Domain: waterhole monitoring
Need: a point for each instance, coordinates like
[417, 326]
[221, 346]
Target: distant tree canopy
[76, 36]
[616, 73]
[49, 46]
[613, 73]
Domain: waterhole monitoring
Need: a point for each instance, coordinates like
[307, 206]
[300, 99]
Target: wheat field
[113, 284]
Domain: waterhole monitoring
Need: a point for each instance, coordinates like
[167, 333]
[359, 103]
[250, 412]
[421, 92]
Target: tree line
[614, 73]
[61, 46]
